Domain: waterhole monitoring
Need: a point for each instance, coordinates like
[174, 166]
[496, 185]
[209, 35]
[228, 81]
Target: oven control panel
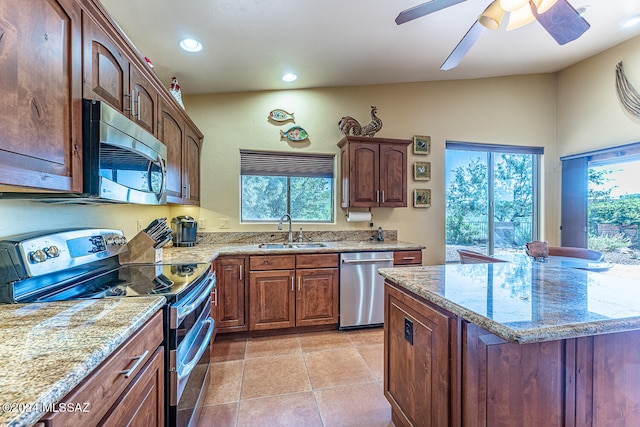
[62, 250]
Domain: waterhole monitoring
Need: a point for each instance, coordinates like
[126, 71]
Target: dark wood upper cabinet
[40, 74]
[54, 54]
[373, 172]
[110, 77]
[106, 69]
[191, 166]
[144, 101]
[171, 133]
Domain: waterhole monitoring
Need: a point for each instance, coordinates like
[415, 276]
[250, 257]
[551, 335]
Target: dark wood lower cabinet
[127, 389]
[417, 359]
[287, 291]
[507, 384]
[142, 404]
[455, 373]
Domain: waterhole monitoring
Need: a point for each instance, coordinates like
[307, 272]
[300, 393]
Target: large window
[274, 183]
[601, 202]
[491, 197]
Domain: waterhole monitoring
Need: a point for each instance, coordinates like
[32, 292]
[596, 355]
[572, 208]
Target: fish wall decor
[295, 134]
[280, 116]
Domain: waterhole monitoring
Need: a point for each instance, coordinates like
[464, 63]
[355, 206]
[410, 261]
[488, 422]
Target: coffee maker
[185, 231]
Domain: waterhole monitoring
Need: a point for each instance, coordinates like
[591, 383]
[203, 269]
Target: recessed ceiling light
[631, 21]
[191, 45]
[289, 77]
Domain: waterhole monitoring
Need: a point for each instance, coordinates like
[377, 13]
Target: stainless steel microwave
[122, 162]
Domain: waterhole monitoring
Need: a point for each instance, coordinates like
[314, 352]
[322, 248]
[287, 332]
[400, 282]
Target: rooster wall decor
[350, 126]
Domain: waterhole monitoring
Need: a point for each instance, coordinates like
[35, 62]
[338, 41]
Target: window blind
[495, 148]
[266, 163]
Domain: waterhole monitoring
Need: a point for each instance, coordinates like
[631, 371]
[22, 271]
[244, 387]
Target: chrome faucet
[290, 230]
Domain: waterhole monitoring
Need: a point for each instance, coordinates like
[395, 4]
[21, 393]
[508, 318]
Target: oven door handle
[185, 369]
[185, 310]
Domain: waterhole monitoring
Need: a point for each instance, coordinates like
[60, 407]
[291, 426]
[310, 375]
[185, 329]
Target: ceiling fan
[558, 17]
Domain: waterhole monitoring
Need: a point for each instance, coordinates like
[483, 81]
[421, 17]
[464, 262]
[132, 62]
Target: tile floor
[309, 379]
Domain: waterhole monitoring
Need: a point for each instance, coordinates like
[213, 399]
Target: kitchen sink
[291, 245]
[309, 245]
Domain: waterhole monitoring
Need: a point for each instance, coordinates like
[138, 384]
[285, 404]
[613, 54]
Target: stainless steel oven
[77, 264]
[191, 331]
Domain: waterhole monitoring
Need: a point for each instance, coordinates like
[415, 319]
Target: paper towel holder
[346, 214]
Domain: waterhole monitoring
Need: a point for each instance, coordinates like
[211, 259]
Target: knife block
[140, 250]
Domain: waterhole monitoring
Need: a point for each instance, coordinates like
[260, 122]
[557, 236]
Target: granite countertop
[207, 252]
[49, 348]
[525, 302]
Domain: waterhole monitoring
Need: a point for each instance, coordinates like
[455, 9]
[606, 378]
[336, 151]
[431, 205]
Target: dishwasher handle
[365, 261]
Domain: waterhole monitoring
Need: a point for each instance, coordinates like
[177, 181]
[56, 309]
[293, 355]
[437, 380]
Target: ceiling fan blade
[562, 21]
[463, 46]
[424, 9]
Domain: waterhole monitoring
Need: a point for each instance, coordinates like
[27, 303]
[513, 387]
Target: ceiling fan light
[520, 17]
[512, 5]
[492, 16]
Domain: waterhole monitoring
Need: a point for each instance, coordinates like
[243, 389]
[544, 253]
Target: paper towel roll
[359, 217]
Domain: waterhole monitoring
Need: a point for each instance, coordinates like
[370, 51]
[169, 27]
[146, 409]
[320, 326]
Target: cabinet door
[393, 175]
[363, 174]
[497, 372]
[417, 376]
[106, 69]
[191, 171]
[317, 297]
[172, 135]
[231, 294]
[40, 71]
[272, 296]
[144, 101]
[142, 403]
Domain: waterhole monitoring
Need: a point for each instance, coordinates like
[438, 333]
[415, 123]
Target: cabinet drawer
[317, 260]
[104, 385]
[272, 262]
[407, 257]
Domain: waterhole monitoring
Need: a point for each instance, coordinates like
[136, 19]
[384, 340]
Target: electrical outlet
[408, 330]
[224, 222]
[202, 223]
[139, 225]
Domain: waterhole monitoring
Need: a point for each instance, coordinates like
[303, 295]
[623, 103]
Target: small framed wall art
[422, 171]
[421, 198]
[421, 144]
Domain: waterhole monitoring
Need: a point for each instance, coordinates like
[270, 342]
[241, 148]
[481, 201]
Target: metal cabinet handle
[240, 271]
[131, 102]
[382, 196]
[377, 196]
[299, 278]
[139, 359]
[138, 107]
[215, 297]
[292, 286]
[408, 258]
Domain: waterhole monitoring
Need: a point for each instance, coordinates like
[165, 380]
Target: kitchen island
[49, 348]
[511, 344]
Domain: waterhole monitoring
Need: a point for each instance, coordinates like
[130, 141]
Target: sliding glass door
[491, 197]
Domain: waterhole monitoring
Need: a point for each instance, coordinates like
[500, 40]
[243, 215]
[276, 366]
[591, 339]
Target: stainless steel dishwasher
[362, 288]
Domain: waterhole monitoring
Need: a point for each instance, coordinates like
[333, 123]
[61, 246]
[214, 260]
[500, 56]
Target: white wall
[590, 116]
[573, 111]
[516, 110]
